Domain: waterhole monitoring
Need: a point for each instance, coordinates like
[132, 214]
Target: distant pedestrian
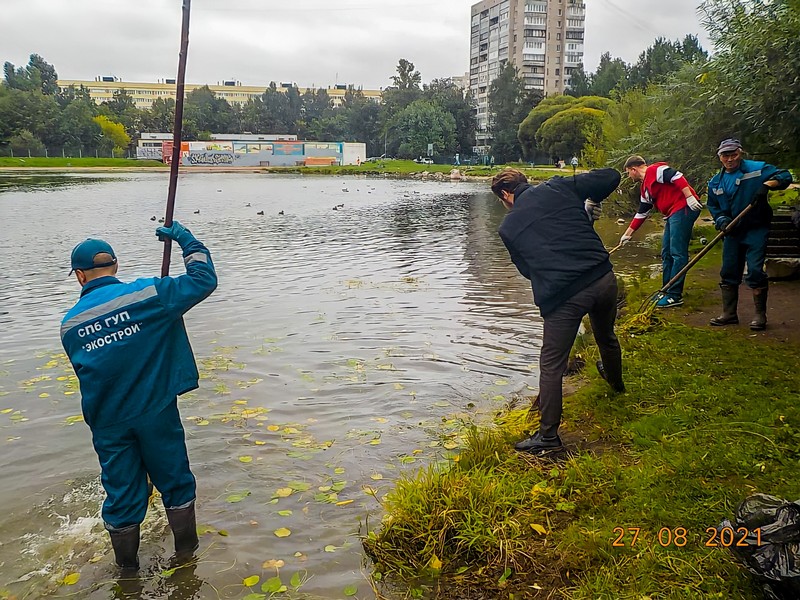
[550, 238]
[458, 160]
[667, 190]
[574, 163]
[739, 183]
[129, 348]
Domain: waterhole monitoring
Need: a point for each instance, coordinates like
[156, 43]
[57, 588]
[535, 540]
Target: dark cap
[729, 145]
[83, 255]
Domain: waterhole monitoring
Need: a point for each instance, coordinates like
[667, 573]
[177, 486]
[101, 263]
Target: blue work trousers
[154, 445]
[675, 248]
[750, 248]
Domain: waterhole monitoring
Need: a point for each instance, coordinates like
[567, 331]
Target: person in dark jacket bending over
[741, 182]
[129, 348]
[550, 237]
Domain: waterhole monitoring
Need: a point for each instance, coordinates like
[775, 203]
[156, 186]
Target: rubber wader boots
[730, 301]
[759, 322]
[184, 529]
[125, 542]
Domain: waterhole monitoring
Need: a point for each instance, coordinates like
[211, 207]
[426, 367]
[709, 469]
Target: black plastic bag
[765, 536]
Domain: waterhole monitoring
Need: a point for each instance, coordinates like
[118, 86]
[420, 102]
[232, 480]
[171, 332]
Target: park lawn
[709, 417]
[57, 162]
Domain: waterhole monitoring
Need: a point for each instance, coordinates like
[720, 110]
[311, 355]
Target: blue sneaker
[669, 302]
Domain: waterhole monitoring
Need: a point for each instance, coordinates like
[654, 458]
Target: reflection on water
[341, 348]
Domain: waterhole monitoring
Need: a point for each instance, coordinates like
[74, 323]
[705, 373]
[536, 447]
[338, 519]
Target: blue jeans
[675, 248]
[749, 247]
[154, 445]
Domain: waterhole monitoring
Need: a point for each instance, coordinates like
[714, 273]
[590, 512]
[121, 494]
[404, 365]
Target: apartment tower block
[542, 38]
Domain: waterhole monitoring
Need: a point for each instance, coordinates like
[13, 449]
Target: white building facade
[542, 38]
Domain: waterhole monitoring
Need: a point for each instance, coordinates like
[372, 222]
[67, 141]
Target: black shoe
[536, 444]
[619, 388]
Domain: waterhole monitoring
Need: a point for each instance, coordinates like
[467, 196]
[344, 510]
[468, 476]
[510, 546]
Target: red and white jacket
[662, 188]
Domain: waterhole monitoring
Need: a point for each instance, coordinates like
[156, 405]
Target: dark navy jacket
[128, 344]
[551, 239]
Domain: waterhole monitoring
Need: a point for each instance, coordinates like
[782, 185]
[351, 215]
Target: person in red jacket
[667, 190]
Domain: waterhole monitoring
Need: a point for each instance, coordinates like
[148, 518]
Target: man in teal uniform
[739, 183]
[129, 348]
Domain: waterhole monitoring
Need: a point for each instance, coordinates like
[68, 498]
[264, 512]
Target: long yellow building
[144, 94]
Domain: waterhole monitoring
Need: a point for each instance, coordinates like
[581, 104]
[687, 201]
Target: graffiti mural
[209, 158]
[149, 153]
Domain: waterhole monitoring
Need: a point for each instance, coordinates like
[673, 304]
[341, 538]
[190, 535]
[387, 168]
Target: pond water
[342, 348]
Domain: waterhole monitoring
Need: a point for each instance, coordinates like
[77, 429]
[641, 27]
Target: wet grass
[703, 424]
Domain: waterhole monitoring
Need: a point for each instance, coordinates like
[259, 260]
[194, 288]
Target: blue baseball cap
[83, 255]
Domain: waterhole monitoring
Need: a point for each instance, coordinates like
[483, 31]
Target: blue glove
[722, 222]
[176, 232]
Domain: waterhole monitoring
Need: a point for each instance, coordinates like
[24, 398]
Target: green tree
[526, 132]
[48, 77]
[452, 99]
[160, 117]
[665, 57]
[509, 103]
[114, 138]
[580, 82]
[422, 123]
[203, 111]
[611, 74]
[77, 129]
[24, 142]
[758, 64]
[404, 90]
[565, 133]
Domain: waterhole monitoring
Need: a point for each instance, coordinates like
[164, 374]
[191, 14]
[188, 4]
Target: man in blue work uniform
[129, 348]
[739, 183]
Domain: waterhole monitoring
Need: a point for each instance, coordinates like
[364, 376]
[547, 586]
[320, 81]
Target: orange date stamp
[679, 537]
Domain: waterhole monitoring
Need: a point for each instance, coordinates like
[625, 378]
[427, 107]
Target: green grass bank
[709, 417]
[86, 162]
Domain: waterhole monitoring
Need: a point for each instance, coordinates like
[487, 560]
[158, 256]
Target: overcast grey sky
[309, 42]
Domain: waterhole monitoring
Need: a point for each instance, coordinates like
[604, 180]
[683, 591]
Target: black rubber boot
[618, 386]
[125, 542]
[730, 302]
[183, 523]
[759, 322]
[539, 443]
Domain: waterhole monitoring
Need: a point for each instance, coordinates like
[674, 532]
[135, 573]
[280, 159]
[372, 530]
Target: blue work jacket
[128, 344]
[730, 193]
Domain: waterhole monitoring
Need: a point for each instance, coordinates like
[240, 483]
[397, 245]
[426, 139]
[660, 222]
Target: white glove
[694, 203]
[625, 239]
[592, 209]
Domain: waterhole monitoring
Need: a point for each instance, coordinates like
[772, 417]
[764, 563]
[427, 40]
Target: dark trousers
[154, 445]
[599, 301]
[748, 248]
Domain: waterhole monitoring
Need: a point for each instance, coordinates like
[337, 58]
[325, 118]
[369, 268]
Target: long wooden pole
[176, 134]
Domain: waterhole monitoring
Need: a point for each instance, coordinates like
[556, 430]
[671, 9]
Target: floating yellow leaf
[376, 476]
[380, 419]
[399, 386]
[282, 532]
[260, 443]
[203, 422]
[375, 442]
[273, 564]
[246, 459]
[538, 528]
[450, 445]
[273, 428]
[369, 490]
[501, 382]
[290, 430]
[330, 548]
[251, 581]
[283, 492]
[344, 502]
[44, 395]
[72, 579]
[339, 470]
